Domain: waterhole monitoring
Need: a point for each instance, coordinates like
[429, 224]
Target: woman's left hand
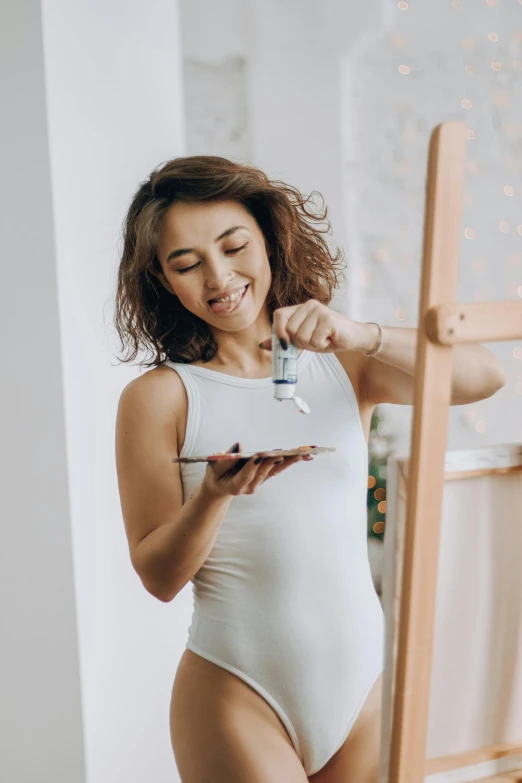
[314, 327]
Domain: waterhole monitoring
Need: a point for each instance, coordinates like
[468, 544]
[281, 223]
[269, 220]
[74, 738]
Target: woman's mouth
[230, 304]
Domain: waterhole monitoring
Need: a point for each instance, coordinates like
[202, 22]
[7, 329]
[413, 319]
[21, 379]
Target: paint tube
[284, 373]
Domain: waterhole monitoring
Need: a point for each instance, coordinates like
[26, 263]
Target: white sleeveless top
[285, 598]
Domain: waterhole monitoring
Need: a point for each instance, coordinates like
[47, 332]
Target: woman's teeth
[233, 297]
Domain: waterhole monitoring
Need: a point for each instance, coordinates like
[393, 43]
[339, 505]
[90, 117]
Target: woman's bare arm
[169, 541]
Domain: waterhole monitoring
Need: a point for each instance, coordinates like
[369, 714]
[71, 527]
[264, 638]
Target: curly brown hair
[148, 317]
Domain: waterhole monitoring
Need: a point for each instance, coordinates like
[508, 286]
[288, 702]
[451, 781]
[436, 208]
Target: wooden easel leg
[442, 236]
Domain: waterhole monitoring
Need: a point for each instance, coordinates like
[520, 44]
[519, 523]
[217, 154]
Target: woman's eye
[187, 268]
[236, 249]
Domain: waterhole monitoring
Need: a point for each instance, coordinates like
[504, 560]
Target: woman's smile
[229, 305]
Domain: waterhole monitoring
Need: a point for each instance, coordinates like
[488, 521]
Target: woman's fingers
[285, 463]
[221, 467]
[247, 474]
[276, 465]
[244, 472]
[263, 472]
[251, 475]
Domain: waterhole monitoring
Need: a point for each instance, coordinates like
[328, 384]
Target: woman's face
[210, 250]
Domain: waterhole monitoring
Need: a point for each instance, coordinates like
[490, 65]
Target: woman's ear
[163, 280]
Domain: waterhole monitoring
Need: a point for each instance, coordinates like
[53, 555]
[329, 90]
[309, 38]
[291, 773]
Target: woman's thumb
[235, 449]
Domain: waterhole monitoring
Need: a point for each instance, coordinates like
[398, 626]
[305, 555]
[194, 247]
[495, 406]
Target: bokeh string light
[488, 75]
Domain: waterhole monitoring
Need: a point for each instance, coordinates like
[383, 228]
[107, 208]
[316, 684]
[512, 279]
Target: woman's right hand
[244, 476]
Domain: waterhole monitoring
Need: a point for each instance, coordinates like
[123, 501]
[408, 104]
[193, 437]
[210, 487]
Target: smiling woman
[280, 678]
[213, 275]
[161, 304]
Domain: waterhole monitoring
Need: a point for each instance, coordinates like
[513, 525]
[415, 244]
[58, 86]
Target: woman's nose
[219, 275]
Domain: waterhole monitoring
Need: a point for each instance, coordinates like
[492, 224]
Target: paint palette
[245, 455]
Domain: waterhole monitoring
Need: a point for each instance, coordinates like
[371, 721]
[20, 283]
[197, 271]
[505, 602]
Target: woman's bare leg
[223, 731]
[358, 758]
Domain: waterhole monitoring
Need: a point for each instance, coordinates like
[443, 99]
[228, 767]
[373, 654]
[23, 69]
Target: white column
[73, 155]
[113, 74]
[40, 705]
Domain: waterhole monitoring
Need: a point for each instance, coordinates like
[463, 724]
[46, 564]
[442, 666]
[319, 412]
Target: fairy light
[378, 527]
[379, 494]
[501, 98]
[382, 507]
[403, 6]
[372, 481]
[457, 4]
[491, 2]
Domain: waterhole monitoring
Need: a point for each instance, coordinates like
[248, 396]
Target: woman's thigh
[223, 731]
[358, 757]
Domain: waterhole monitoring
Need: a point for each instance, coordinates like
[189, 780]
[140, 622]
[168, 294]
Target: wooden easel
[443, 323]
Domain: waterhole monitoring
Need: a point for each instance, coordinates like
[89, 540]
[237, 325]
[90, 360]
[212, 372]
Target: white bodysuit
[285, 599]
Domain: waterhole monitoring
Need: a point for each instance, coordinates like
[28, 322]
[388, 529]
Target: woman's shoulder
[159, 390]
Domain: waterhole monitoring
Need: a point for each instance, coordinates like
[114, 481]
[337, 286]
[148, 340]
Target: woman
[280, 679]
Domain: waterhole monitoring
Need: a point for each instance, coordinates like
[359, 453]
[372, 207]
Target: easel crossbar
[474, 322]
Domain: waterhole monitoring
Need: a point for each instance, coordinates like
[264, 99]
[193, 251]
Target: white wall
[388, 118]
[113, 90]
[292, 74]
[40, 704]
